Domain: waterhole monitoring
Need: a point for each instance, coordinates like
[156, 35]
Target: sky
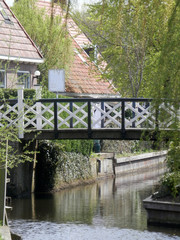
[77, 4]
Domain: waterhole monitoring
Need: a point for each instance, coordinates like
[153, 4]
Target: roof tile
[14, 41]
[83, 77]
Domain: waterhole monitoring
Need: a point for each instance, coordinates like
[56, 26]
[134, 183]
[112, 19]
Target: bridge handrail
[108, 113]
[11, 101]
[95, 100]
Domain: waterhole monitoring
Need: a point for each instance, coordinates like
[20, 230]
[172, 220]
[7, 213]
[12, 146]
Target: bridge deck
[106, 133]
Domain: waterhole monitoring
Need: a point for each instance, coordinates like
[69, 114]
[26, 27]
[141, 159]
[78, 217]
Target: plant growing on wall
[56, 166]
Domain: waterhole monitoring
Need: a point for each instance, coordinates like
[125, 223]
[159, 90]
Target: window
[91, 52]
[2, 79]
[4, 14]
[24, 77]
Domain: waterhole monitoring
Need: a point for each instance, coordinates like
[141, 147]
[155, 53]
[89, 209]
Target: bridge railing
[55, 114]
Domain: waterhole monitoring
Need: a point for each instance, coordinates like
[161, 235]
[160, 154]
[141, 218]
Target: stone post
[38, 89]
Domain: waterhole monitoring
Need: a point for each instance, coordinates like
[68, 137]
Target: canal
[110, 209]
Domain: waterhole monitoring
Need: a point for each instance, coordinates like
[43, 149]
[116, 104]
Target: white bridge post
[38, 89]
[20, 88]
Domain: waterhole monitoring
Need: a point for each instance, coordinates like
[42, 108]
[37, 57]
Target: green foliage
[130, 35]
[7, 93]
[165, 80]
[46, 165]
[55, 165]
[171, 181]
[9, 148]
[173, 158]
[10, 151]
[140, 42]
[166, 84]
[48, 32]
[78, 146]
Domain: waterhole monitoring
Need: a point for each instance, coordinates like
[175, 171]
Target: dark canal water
[108, 210]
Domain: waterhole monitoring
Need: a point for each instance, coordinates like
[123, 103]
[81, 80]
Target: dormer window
[91, 52]
[5, 16]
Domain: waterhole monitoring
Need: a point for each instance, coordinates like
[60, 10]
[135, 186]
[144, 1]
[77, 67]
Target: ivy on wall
[62, 161]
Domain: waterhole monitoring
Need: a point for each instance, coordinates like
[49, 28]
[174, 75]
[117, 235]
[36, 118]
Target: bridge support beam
[113, 134]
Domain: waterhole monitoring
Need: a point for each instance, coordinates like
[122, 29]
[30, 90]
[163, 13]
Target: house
[83, 78]
[19, 56]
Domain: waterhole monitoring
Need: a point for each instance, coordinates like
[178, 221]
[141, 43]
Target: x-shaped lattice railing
[87, 113]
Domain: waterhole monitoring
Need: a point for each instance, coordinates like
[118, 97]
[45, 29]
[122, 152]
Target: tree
[140, 42]
[48, 32]
[166, 87]
[130, 35]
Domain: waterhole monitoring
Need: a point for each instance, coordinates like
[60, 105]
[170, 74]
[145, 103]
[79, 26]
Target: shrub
[12, 93]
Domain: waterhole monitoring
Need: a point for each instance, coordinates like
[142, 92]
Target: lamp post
[36, 76]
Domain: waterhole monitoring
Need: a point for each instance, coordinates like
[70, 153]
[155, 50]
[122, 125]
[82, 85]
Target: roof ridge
[34, 45]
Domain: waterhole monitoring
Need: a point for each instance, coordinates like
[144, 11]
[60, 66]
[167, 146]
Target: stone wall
[109, 164]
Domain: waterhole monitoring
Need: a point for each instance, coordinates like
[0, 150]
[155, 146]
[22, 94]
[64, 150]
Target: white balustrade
[40, 115]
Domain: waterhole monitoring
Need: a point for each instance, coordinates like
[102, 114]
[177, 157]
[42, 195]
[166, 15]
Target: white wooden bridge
[110, 118]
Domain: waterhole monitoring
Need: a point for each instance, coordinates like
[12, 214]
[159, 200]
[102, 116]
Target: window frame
[27, 85]
[3, 86]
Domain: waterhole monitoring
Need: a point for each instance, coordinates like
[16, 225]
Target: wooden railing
[89, 114]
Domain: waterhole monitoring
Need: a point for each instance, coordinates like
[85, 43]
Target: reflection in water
[110, 209]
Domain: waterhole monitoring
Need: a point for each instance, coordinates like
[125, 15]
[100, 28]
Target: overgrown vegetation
[56, 166]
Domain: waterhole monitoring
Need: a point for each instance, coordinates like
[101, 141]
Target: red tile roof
[15, 44]
[83, 77]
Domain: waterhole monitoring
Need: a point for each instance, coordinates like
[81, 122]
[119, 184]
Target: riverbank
[80, 182]
[110, 165]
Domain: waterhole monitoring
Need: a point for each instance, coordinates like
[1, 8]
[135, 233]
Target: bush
[171, 182]
[55, 165]
[12, 93]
